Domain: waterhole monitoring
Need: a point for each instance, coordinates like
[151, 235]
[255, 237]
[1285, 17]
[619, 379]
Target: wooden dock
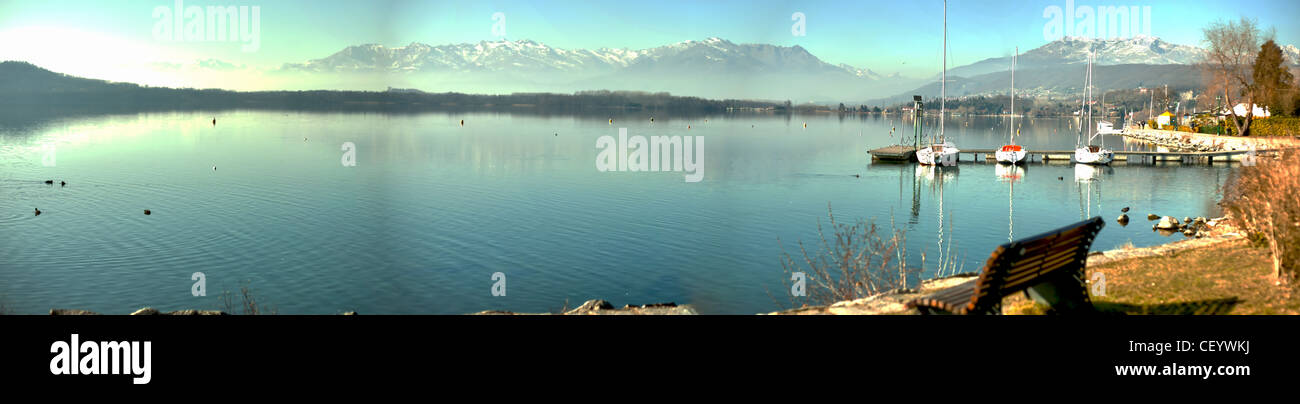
[899, 153]
[1144, 157]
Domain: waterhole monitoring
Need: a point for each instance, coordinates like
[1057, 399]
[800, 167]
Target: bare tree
[1229, 66]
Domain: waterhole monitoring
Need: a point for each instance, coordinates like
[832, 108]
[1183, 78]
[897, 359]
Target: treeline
[1117, 102]
[26, 84]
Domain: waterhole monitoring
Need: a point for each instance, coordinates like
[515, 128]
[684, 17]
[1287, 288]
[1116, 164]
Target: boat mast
[1088, 94]
[1013, 95]
[943, 77]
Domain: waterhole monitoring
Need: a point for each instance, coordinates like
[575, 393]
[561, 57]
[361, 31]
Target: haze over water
[432, 209]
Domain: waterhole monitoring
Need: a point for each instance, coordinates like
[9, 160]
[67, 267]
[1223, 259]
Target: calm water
[432, 209]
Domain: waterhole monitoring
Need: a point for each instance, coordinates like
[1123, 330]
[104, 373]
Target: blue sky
[886, 36]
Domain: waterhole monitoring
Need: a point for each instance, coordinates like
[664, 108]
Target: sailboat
[1091, 154]
[941, 151]
[1012, 153]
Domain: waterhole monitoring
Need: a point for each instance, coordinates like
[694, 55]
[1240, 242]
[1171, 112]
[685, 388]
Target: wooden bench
[1048, 267]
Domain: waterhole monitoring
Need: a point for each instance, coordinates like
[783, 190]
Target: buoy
[805, 125]
[51, 182]
[38, 211]
[147, 212]
[63, 184]
[611, 121]
[214, 121]
[462, 122]
[214, 168]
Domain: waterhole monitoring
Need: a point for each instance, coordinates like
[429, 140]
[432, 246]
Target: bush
[1276, 126]
[1263, 199]
[857, 262]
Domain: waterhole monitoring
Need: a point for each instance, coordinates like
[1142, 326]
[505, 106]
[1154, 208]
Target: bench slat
[1019, 265]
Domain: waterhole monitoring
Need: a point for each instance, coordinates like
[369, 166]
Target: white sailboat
[941, 151]
[1012, 153]
[1105, 127]
[1091, 153]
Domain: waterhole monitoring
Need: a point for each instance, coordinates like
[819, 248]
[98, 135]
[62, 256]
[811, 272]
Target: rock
[1187, 220]
[192, 312]
[1189, 232]
[72, 312]
[1168, 223]
[1125, 210]
[1122, 219]
[147, 311]
[1152, 217]
[349, 313]
[591, 305]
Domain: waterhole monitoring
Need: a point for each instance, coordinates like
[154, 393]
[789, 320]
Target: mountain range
[718, 68]
[713, 68]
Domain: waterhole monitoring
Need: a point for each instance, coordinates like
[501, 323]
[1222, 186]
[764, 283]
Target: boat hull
[945, 156]
[1084, 155]
[1011, 156]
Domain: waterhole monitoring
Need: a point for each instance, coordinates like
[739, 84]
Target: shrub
[856, 262]
[1263, 198]
[247, 303]
[1276, 126]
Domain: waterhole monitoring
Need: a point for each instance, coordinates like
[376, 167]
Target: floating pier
[908, 154]
[894, 153]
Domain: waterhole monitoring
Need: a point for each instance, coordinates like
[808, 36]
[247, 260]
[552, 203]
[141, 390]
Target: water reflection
[1010, 174]
[1087, 179]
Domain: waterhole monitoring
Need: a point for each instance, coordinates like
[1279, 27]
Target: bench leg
[1065, 294]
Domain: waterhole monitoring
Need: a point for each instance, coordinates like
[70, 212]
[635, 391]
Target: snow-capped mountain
[1144, 50]
[709, 55]
[1292, 54]
[483, 56]
[712, 67]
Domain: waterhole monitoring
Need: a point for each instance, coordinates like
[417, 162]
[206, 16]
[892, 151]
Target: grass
[1231, 277]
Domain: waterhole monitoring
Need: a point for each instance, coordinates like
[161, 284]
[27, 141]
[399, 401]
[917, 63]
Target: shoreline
[1188, 141]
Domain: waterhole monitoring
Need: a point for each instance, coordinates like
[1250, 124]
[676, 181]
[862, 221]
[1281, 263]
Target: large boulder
[1168, 223]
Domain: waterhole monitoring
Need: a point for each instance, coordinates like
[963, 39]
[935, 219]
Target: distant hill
[26, 85]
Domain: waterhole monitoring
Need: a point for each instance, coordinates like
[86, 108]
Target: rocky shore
[1185, 141]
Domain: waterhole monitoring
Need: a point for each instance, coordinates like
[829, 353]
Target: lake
[432, 209]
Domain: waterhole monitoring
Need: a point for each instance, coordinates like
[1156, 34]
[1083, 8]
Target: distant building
[1163, 119]
[1258, 112]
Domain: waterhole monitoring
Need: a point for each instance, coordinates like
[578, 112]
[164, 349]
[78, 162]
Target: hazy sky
[115, 40]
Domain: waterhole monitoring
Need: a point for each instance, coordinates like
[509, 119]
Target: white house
[1259, 112]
